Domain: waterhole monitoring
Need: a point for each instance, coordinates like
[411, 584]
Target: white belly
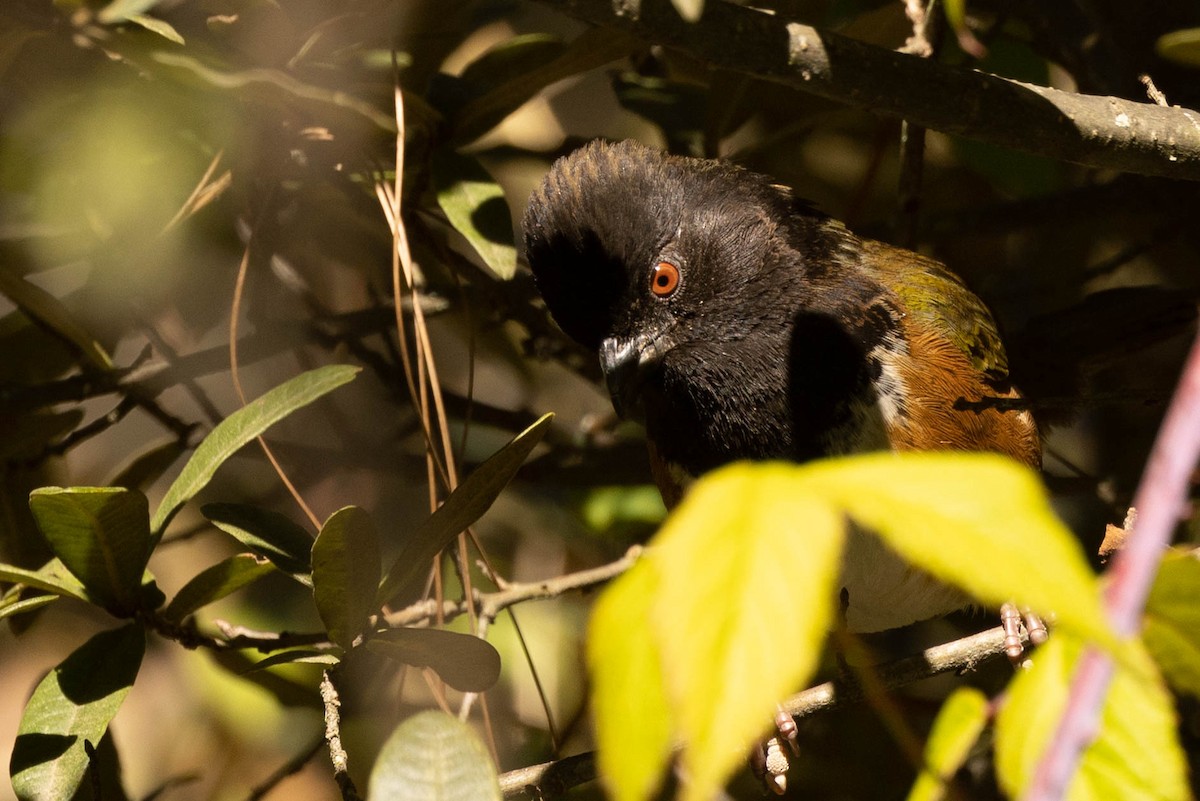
[884, 592]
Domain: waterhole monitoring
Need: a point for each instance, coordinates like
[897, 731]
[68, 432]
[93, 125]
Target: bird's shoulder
[936, 301]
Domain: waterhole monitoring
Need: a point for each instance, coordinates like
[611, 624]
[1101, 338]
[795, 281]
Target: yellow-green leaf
[959, 724]
[50, 312]
[633, 726]
[746, 568]
[1172, 631]
[1136, 754]
[1182, 46]
[981, 522]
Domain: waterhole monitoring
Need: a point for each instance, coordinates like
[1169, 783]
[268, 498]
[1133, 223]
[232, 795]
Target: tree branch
[1094, 131]
[550, 779]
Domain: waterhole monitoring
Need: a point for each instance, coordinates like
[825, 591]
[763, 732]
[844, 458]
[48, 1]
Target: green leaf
[298, 656]
[240, 428]
[592, 48]
[1172, 632]
[474, 204]
[1135, 755]
[624, 659]
[155, 25]
[51, 577]
[267, 533]
[1182, 46]
[465, 662]
[71, 706]
[959, 724]
[474, 496]
[214, 583]
[102, 536]
[11, 607]
[49, 311]
[981, 522]
[119, 10]
[345, 574]
[433, 757]
[740, 603]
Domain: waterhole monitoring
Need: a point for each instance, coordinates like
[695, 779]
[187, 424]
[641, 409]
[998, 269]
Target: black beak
[625, 363]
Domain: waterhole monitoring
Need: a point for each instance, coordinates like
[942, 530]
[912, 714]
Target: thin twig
[289, 768]
[333, 736]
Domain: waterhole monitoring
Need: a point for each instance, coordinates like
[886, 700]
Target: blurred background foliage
[146, 146]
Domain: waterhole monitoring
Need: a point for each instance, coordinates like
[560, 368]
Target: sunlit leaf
[299, 656]
[978, 521]
[958, 725]
[155, 25]
[690, 10]
[464, 662]
[1182, 46]
[267, 533]
[474, 496]
[49, 311]
[19, 606]
[633, 719]
[433, 756]
[102, 536]
[1135, 754]
[746, 596]
[345, 573]
[119, 10]
[474, 204]
[243, 426]
[51, 577]
[1172, 631]
[71, 706]
[216, 582]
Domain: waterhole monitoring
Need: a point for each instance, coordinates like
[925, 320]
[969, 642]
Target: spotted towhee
[737, 322]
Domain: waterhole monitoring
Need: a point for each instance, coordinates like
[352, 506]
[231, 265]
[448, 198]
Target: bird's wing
[937, 298]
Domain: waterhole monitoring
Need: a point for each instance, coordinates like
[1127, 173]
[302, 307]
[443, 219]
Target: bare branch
[1101, 132]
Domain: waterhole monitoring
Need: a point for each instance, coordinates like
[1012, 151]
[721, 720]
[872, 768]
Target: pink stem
[1160, 502]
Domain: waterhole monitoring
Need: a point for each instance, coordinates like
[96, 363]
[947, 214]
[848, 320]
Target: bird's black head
[647, 257]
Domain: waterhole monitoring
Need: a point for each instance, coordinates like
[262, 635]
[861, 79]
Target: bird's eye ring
[664, 279]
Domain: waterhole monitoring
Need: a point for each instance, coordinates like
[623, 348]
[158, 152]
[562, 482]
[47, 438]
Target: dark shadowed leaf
[71, 706]
[267, 533]
[433, 757]
[474, 204]
[464, 662]
[27, 436]
[240, 428]
[48, 310]
[148, 466]
[102, 536]
[345, 574]
[214, 583]
[462, 508]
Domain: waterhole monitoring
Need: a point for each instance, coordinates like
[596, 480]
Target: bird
[738, 322]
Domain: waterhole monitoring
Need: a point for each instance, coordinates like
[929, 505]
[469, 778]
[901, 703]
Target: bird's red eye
[664, 279]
